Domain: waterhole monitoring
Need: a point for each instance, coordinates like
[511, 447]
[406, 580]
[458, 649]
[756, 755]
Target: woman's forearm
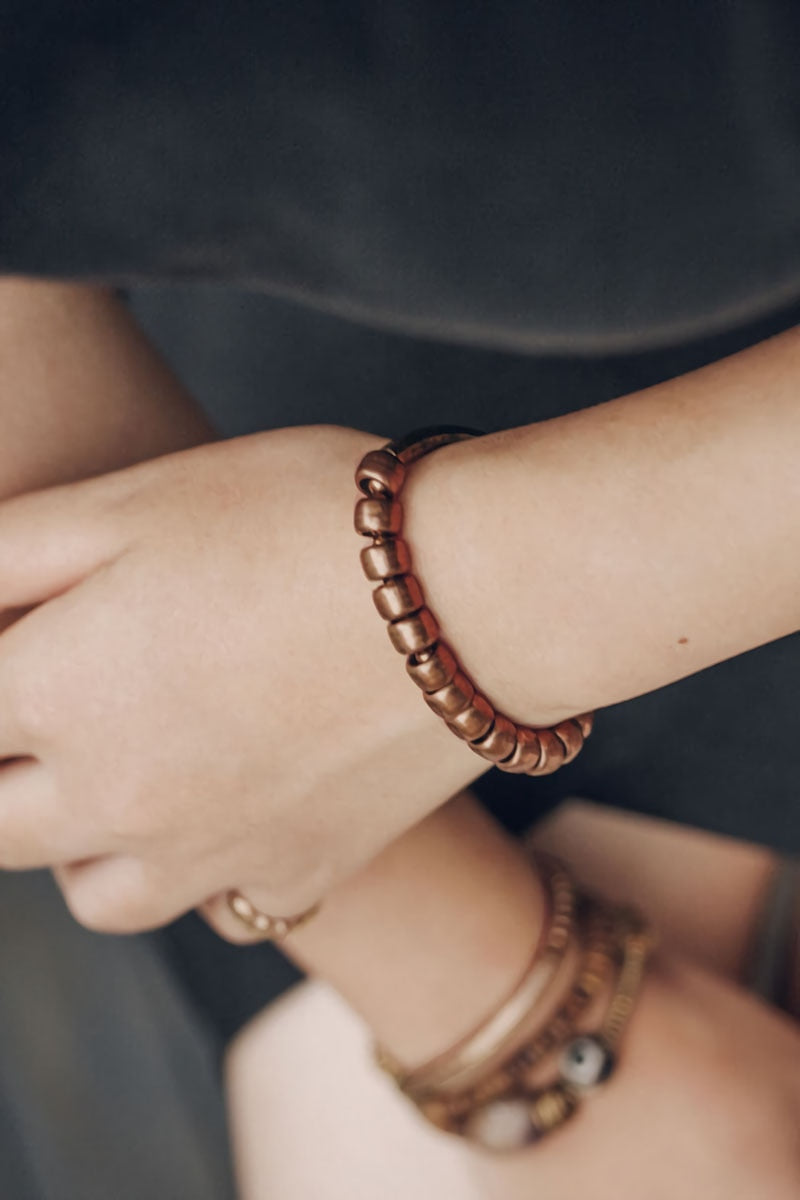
[594, 557]
[81, 390]
[431, 935]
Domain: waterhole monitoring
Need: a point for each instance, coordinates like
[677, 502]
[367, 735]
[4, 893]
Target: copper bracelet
[414, 630]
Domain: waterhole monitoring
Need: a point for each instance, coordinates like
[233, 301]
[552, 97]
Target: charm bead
[586, 1062]
[502, 1126]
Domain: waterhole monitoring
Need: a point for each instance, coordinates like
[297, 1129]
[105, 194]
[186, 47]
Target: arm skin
[595, 557]
[81, 390]
[572, 564]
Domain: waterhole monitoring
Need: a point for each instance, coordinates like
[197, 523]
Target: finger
[51, 540]
[36, 827]
[120, 894]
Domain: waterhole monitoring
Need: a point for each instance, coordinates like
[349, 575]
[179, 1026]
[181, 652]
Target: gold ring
[272, 929]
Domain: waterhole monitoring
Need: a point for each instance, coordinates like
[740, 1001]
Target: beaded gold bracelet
[414, 630]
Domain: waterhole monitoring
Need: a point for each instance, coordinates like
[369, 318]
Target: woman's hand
[204, 697]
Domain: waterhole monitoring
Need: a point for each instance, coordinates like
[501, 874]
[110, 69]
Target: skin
[173, 618]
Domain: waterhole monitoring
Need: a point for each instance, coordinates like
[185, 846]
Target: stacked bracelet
[414, 630]
[500, 1102]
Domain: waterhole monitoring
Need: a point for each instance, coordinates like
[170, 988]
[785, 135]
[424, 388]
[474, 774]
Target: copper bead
[412, 634]
[434, 669]
[451, 699]
[499, 742]
[378, 516]
[570, 735]
[527, 753]
[385, 559]
[382, 471]
[473, 721]
[399, 597]
[553, 753]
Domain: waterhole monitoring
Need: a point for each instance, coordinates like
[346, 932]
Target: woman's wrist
[590, 558]
[429, 938]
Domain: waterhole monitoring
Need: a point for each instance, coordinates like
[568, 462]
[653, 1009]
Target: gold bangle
[459, 1062]
[520, 1118]
[414, 630]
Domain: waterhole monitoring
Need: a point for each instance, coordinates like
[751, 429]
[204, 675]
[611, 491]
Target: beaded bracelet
[414, 630]
[521, 1118]
[506, 1113]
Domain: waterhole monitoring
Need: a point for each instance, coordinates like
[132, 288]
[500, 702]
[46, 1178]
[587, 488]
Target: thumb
[53, 539]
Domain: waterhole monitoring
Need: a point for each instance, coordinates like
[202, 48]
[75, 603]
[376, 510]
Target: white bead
[503, 1125]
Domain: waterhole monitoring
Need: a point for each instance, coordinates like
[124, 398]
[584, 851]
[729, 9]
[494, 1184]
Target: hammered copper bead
[410, 635]
[586, 723]
[382, 470]
[434, 669]
[378, 515]
[399, 597]
[499, 742]
[571, 738]
[450, 700]
[553, 753]
[385, 559]
[527, 753]
[473, 721]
